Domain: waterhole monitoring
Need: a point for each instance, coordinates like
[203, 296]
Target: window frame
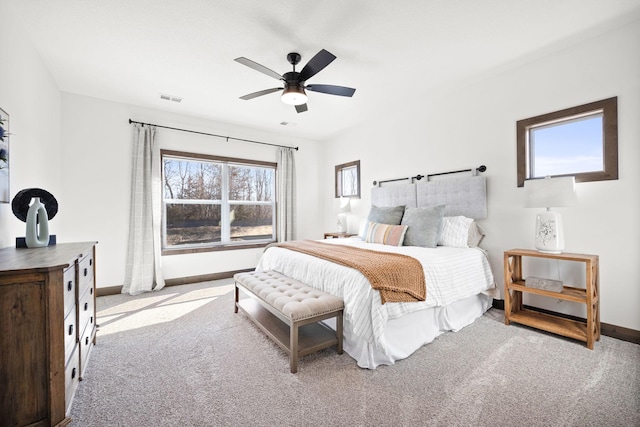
[338, 171]
[230, 161]
[609, 109]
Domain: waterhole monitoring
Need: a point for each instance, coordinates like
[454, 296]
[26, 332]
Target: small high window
[580, 141]
[348, 180]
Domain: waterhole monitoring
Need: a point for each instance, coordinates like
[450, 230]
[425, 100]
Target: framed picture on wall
[4, 156]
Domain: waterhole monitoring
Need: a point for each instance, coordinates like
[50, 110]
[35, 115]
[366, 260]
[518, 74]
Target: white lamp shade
[345, 205]
[550, 192]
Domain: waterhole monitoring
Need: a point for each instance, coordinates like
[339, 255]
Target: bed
[459, 280]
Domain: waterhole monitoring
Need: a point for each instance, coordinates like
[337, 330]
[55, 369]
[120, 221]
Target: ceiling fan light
[294, 95]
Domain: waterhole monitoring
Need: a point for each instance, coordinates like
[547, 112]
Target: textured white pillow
[476, 234]
[455, 231]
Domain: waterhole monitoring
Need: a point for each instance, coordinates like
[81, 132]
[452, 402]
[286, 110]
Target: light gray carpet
[181, 357]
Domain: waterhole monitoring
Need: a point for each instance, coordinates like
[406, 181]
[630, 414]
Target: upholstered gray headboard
[461, 195]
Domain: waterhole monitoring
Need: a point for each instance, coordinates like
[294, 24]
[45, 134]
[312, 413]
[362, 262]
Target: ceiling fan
[294, 82]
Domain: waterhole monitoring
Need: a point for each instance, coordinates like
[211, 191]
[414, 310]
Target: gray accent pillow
[424, 225]
[384, 215]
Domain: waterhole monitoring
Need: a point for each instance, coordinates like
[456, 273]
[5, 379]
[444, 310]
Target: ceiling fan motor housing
[291, 79]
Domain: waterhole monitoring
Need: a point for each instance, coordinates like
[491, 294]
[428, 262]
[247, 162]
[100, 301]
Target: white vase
[37, 234]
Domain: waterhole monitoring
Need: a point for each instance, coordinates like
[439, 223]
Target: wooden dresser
[47, 330]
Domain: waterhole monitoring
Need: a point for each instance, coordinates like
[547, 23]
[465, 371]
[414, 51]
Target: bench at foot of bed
[289, 312]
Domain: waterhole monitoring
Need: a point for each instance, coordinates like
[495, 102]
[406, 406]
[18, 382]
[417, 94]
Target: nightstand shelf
[550, 323]
[338, 235]
[514, 288]
[568, 293]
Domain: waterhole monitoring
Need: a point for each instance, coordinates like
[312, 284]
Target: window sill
[183, 251]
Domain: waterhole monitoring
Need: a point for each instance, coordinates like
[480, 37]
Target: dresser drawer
[86, 344]
[86, 309]
[70, 333]
[71, 378]
[69, 283]
[85, 273]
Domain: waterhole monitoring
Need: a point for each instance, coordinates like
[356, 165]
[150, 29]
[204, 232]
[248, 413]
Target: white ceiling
[131, 51]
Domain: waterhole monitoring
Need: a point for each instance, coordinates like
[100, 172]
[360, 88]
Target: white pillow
[476, 234]
[455, 231]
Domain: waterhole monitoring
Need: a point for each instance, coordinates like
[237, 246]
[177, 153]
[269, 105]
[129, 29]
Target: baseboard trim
[613, 331]
[204, 277]
[110, 290]
[114, 290]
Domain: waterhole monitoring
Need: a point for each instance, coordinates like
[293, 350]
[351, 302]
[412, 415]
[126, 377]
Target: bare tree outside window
[216, 202]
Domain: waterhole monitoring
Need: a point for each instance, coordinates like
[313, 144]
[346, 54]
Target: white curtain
[144, 266]
[286, 220]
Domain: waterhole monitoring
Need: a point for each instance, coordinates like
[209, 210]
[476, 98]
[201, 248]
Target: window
[216, 203]
[348, 180]
[580, 141]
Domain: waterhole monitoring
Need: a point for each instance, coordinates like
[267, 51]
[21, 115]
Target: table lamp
[345, 207]
[547, 193]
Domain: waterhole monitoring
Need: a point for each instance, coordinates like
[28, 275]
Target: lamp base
[548, 252]
[549, 235]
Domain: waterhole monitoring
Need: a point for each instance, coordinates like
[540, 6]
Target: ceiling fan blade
[331, 89]
[316, 64]
[251, 64]
[260, 93]
[301, 108]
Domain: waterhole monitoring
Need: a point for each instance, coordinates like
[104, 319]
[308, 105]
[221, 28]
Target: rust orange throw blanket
[399, 278]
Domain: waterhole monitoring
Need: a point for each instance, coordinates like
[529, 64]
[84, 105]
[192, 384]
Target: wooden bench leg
[293, 355]
[339, 333]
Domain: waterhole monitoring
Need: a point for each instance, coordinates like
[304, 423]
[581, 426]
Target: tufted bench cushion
[294, 303]
[295, 300]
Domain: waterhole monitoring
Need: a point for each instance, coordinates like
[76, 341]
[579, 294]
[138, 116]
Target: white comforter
[451, 274]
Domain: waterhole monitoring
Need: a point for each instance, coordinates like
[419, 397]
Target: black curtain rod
[418, 177]
[480, 168]
[212, 134]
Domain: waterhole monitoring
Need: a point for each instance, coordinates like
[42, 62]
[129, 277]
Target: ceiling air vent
[170, 98]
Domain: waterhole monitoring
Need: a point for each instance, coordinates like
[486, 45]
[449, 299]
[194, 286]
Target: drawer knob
[86, 341]
[91, 291]
[86, 306]
[73, 373]
[91, 321]
[70, 329]
[91, 261]
[86, 271]
[70, 286]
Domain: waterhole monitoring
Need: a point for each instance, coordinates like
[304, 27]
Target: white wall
[79, 149]
[31, 98]
[475, 125]
[96, 180]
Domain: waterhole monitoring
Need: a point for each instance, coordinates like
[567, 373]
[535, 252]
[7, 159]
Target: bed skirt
[407, 334]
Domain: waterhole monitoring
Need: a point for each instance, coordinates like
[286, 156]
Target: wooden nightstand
[514, 287]
[336, 235]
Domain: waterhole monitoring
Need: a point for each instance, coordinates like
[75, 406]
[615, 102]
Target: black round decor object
[20, 203]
